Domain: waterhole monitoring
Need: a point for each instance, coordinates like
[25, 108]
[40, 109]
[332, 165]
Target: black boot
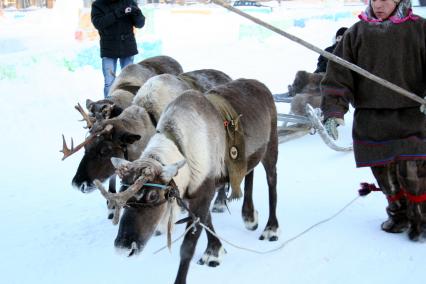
[397, 221]
[415, 232]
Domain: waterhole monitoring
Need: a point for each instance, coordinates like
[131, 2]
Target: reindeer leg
[269, 163]
[219, 205]
[214, 252]
[250, 215]
[199, 205]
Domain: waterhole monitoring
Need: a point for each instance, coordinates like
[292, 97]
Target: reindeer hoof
[219, 205]
[251, 223]
[219, 208]
[213, 263]
[270, 235]
[212, 258]
[273, 239]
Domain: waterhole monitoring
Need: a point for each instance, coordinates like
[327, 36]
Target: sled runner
[294, 126]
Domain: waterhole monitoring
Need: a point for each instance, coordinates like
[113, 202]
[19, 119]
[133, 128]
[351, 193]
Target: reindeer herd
[175, 139]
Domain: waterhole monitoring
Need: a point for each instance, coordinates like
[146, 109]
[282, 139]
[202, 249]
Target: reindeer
[191, 154]
[305, 89]
[153, 97]
[127, 84]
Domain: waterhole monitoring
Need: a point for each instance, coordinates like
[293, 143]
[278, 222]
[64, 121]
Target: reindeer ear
[89, 103]
[116, 110]
[170, 171]
[129, 138]
[117, 162]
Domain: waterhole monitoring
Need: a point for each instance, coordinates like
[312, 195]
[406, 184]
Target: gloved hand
[330, 126]
[423, 107]
[128, 10]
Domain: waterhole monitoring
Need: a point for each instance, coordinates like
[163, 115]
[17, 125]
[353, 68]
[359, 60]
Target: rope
[197, 221]
[326, 54]
[181, 236]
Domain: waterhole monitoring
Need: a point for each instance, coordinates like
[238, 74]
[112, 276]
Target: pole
[326, 54]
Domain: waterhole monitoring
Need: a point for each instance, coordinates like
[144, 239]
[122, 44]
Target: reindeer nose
[127, 246]
[85, 187]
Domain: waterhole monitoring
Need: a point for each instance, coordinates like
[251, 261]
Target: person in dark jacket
[322, 61]
[115, 20]
[389, 130]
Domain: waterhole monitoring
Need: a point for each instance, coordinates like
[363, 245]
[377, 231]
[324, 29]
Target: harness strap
[235, 159]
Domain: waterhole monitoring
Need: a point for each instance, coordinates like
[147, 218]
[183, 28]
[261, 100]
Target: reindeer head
[300, 80]
[103, 109]
[305, 82]
[149, 194]
[96, 162]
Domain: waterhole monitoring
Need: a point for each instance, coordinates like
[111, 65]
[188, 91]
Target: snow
[52, 233]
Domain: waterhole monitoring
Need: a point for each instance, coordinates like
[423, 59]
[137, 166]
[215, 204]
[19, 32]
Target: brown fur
[129, 136]
[205, 80]
[305, 90]
[96, 164]
[162, 65]
[128, 82]
[191, 128]
[305, 82]
[160, 90]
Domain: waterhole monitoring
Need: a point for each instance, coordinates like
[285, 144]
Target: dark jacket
[387, 126]
[322, 61]
[115, 27]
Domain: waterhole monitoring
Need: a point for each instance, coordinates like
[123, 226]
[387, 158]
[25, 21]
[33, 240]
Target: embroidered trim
[392, 159]
[415, 198]
[396, 197]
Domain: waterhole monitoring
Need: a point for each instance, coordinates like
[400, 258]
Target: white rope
[267, 251]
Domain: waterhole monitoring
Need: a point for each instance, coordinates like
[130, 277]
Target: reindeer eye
[105, 151]
[151, 196]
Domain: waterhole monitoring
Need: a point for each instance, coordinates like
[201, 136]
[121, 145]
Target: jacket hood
[402, 13]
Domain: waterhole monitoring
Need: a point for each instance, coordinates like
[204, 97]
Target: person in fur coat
[389, 130]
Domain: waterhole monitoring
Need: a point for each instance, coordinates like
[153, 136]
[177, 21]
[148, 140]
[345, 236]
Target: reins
[171, 192]
[196, 221]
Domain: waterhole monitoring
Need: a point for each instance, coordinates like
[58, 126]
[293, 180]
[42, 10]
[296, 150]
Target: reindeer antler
[68, 152]
[118, 200]
[89, 120]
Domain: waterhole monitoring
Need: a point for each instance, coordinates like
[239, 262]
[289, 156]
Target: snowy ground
[52, 233]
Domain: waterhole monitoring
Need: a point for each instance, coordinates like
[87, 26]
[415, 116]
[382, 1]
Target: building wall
[22, 4]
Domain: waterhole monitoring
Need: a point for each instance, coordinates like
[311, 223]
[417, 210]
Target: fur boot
[397, 221]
